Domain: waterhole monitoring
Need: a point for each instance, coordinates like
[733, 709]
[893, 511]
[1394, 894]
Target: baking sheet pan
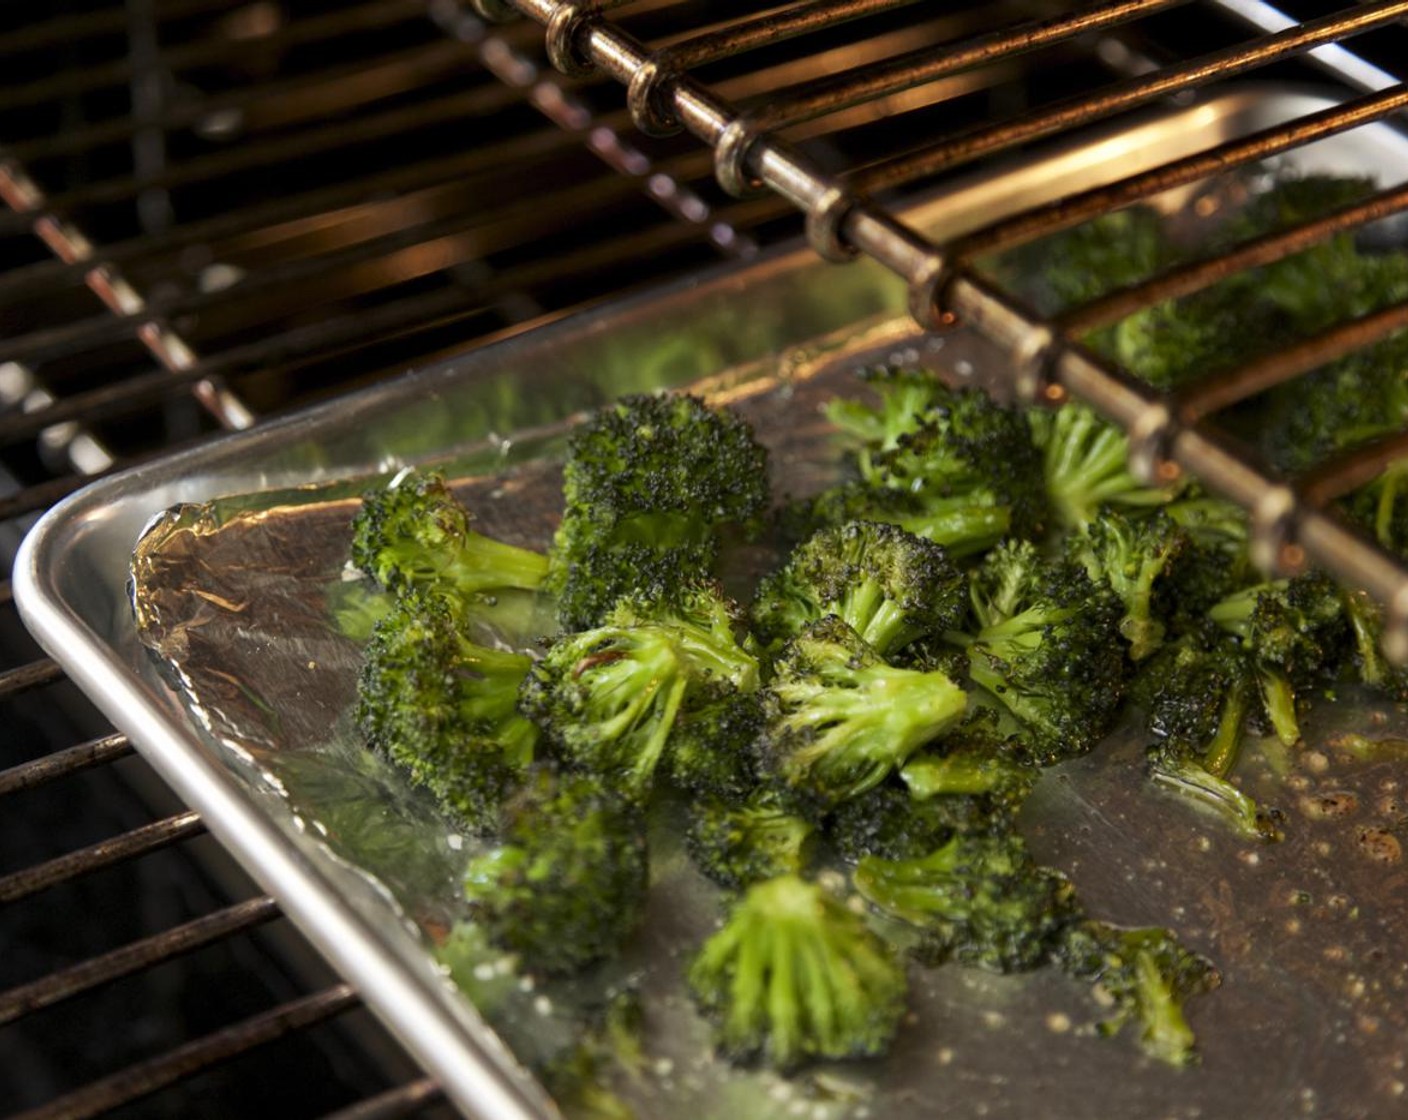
[243, 709]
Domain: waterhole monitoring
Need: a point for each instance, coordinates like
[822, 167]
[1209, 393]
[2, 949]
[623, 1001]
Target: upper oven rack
[852, 211]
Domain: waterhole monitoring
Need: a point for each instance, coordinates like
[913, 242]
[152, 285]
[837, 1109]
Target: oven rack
[852, 211]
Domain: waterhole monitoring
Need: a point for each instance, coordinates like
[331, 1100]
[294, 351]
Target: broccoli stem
[1221, 753]
[1188, 778]
[962, 528]
[1280, 700]
[953, 776]
[1166, 1034]
[878, 619]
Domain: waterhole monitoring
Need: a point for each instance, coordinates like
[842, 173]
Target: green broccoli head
[1087, 261]
[1215, 560]
[890, 586]
[979, 899]
[970, 447]
[1173, 343]
[739, 844]
[444, 708]
[648, 482]
[838, 719]
[964, 478]
[414, 533]
[1132, 558]
[795, 975]
[973, 781]
[901, 398]
[710, 752]
[1147, 977]
[1085, 465]
[1381, 507]
[1046, 648]
[1366, 625]
[610, 698]
[565, 884]
[1340, 406]
[1291, 630]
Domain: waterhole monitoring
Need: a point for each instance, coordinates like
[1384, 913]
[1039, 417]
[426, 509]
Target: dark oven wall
[218, 211]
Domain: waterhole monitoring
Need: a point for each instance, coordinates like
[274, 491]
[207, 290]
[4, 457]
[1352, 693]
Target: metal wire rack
[851, 211]
[224, 209]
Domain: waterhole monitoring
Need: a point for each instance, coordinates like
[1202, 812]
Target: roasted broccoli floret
[973, 781]
[980, 899]
[444, 708]
[890, 586]
[794, 975]
[838, 719]
[1215, 561]
[964, 479]
[609, 698]
[1131, 557]
[648, 483]
[902, 398]
[565, 883]
[1147, 976]
[414, 534]
[1290, 630]
[710, 750]
[738, 845]
[1087, 261]
[1085, 466]
[1365, 620]
[1046, 647]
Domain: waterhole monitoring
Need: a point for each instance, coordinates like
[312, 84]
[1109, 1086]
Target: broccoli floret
[1081, 264]
[886, 821]
[1085, 465]
[710, 750]
[1366, 624]
[964, 479]
[1290, 630]
[1147, 976]
[889, 585]
[444, 708]
[609, 698]
[648, 483]
[1214, 562]
[980, 900]
[903, 397]
[972, 782]
[414, 533]
[1382, 507]
[838, 719]
[738, 845]
[565, 884]
[1046, 648]
[1209, 332]
[1131, 557]
[794, 975]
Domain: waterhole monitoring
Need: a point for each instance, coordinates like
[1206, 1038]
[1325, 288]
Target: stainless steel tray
[1311, 1020]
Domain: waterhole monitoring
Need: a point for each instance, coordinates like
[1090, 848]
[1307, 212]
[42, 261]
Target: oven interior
[221, 211]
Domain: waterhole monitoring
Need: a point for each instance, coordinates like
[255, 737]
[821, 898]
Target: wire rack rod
[140, 841]
[372, 16]
[23, 678]
[1123, 96]
[144, 1078]
[1241, 152]
[823, 96]
[72, 27]
[62, 763]
[134, 957]
[405, 1100]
